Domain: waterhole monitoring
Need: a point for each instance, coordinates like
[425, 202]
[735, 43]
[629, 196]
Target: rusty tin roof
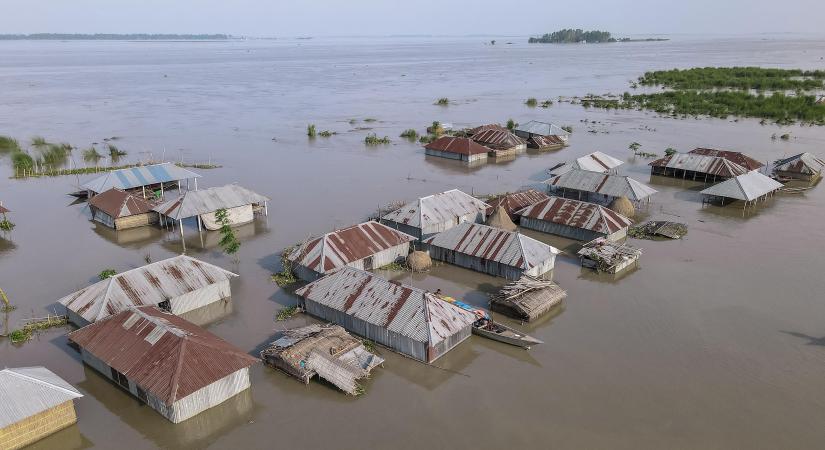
[498, 139]
[804, 163]
[342, 247]
[695, 162]
[513, 202]
[602, 183]
[458, 145]
[118, 203]
[162, 353]
[489, 126]
[736, 157]
[539, 141]
[436, 209]
[577, 214]
[406, 310]
[493, 244]
[147, 285]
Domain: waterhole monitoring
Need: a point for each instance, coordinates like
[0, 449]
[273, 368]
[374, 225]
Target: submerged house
[461, 149]
[489, 126]
[593, 162]
[513, 202]
[239, 202]
[586, 182]
[327, 351]
[696, 166]
[604, 255]
[527, 299]
[34, 403]
[536, 128]
[175, 367]
[552, 142]
[735, 157]
[433, 214]
[121, 210]
[143, 179]
[804, 166]
[574, 219]
[492, 251]
[369, 245]
[749, 188]
[179, 284]
[403, 318]
[500, 142]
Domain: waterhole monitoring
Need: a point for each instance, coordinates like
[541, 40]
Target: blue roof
[136, 177]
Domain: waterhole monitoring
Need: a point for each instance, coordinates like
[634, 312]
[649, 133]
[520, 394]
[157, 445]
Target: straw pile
[500, 219]
[623, 206]
[419, 261]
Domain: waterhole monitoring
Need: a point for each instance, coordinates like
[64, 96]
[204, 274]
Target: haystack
[500, 219]
[419, 261]
[623, 206]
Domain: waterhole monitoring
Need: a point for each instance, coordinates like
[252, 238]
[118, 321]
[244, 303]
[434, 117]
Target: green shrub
[373, 139]
[531, 102]
[443, 101]
[311, 130]
[410, 134]
[106, 273]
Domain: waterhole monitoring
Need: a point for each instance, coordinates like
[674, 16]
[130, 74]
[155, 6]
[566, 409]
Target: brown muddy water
[716, 341]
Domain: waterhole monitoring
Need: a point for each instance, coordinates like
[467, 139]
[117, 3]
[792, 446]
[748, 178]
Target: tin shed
[433, 214]
[121, 210]
[574, 219]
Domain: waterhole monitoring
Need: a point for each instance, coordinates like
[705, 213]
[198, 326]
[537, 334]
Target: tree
[229, 241]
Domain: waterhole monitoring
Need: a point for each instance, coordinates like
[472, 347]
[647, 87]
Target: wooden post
[182, 240]
[196, 184]
[266, 210]
[200, 227]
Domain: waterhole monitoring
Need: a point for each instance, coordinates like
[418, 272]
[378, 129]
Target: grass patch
[531, 102]
[742, 78]
[9, 144]
[443, 101]
[106, 273]
[410, 134]
[395, 267]
[39, 141]
[287, 313]
[372, 139]
[311, 130]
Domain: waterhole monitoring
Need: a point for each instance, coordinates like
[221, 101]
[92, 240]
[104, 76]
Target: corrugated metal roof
[695, 162]
[342, 247]
[148, 285]
[406, 310]
[135, 177]
[457, 145]
[26, 391]
[3, 209]
[735, 157]
[748, 187]
[489, 126]
[601, 183]
[162, 353]
[516, 201]
[537, 141]
[498, 139]
[804, 163]
[436, 209]
[493, 244]
[118, 203]
[593, 162]
[541, 128]
[577, 214]
[204, 201]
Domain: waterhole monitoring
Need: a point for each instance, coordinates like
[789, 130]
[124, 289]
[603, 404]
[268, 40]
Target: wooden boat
[505, 334]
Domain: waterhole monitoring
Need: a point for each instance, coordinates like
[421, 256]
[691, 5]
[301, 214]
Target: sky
[276, 18]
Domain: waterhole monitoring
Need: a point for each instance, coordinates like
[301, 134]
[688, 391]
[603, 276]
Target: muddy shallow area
[715, 341]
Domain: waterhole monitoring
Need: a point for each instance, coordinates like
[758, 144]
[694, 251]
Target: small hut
[179, 284]
[433, 214]
[804, 166]
[623, 206]
[121, 210]
[143, 179]
[324, 350]
[406, 319]
[501, 220]
[34, 403]
[750, 188]
[605, 255]
[513, 202]
[175, 367]
[584, 183]
[536, 128]
[461, 149]
[574, 219]
[367, 246]
[240, 204]
[490, 250]
[695, 166]
[500, 143]
[527, 299]
[545, 143]
[735, 157]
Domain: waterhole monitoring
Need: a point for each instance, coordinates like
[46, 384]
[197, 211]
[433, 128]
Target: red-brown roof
[164, 354]
[544, 141]
[516, 201]
[489, 126]
[577, 214]
[118, 203]
[736, 157]
[461, 146]
[3, 209]
[498, 139]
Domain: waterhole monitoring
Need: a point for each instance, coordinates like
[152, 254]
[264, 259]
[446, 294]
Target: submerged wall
[38, 426]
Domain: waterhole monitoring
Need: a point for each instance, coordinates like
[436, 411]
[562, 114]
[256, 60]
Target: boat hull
[508, 336]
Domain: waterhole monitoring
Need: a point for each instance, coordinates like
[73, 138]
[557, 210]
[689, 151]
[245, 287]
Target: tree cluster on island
[570, 36]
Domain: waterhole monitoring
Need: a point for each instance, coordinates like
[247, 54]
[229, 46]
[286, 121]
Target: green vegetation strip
[756, 78]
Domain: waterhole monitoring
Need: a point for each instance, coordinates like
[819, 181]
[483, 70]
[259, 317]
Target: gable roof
[492, 244]
[489, 126]
[165, 355]
[406, 310]
[539, 141]
[577, 214]
[342, 247]
[147, 285]
[458, 145]
[204, 201]
[736, 157]
[27, 391]
[696, 162]
[593, 162]
[602, 183]
[437, 208]
[512, 202]
[541, 128]
[135, 177]
[118, 203]
[805, 163]
[498, 139]
[748, 187]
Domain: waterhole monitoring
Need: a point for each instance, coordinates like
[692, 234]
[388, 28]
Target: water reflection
[130, 238]
[205, 241]
[66, 439]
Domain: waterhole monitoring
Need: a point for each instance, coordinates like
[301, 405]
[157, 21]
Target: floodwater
[716, 341]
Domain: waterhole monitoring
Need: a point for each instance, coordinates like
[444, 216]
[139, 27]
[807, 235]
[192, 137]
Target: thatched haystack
[623, 206]
[419, 261]
[500, 219]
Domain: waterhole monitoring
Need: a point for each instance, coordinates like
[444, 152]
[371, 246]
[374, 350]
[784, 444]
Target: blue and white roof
[136, 177]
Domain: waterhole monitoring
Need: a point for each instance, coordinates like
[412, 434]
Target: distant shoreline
[114, 37]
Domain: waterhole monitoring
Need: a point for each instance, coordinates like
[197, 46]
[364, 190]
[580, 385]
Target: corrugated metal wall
[451, 341]
[478, 264]
[209, 396]
[201, 297]
[558, 229]
[432, 230]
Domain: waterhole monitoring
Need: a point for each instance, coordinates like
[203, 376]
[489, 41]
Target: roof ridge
[173, 386]
[38, 381]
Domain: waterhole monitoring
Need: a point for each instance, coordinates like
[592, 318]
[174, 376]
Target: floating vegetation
[373, 139]
[370, 119]
[511, 124]
[743, 78]
[531, 102]
[106, 273]
[443, 101]
[35, 325]
[39, 141]
[785, 137]
[410, 134]
[327, 133]
[311, 130]
[394, 266]
[546, 103]
[287, 313]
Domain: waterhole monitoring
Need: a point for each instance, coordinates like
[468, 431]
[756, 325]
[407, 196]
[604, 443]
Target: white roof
[805, 163]
[601, 183]
[138, 176]
[436, 209]
[597, 162]
[748, 187]
[541, 128]
[26, 391]
[204, 201]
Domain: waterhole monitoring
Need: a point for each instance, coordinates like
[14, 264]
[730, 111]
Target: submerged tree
[229, 241]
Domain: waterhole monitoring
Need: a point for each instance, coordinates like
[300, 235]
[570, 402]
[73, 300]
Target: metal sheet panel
[445, 207]
[204, 201]
[803, 163]
[747, 187]
[600, 183]
[694, 162]
[456, 145]
[26, 391]
[499, 139]
[136, 177]
[735, 157]
[516, 201]
[577, 214]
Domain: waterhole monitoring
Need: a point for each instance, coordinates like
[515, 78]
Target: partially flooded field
[716, 340]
